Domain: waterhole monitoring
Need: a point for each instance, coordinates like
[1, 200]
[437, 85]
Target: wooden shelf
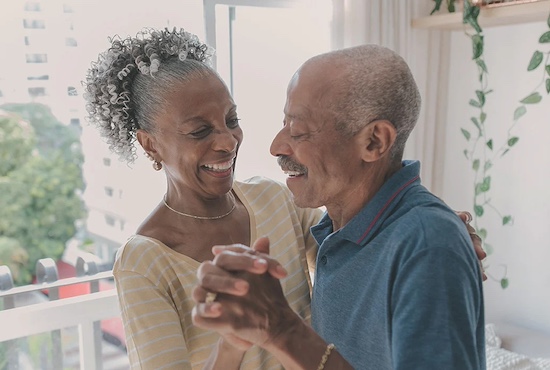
[488, 17]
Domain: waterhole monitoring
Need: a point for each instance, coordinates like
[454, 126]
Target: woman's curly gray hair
[123, 88]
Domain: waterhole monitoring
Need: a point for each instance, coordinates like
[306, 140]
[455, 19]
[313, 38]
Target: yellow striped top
[154, 283]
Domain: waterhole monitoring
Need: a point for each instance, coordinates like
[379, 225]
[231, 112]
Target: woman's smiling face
[197, 135]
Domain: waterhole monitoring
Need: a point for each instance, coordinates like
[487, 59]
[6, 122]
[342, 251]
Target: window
[71, 91]
[109, 191]
[75, 122]
[70, 41]
[110, 220]
[41, 77]
[37, 91]
[34, 23]
[37, 58]
[27, 41]
[107, 162]
[31, 6]
[67, 8]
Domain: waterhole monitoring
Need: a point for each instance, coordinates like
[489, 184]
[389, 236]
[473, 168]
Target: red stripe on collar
[379, 214]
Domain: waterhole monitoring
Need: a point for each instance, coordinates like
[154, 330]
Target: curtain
[388, 23]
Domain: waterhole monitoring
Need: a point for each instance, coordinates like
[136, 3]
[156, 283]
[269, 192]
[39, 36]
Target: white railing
[84, 312]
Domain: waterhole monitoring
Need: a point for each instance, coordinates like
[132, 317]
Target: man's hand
[250, 306]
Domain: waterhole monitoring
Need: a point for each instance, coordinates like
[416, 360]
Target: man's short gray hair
[378, 85]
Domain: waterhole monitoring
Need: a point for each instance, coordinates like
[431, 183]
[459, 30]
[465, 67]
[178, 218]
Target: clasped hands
[249, 306]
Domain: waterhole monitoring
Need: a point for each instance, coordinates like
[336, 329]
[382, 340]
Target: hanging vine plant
[482, 151]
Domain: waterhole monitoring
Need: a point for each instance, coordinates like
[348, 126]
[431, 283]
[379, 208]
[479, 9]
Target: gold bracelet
[324, 359]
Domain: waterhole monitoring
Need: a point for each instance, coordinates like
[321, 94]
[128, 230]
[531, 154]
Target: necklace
[202, 217]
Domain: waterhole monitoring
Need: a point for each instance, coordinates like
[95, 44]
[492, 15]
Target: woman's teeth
[220, 166]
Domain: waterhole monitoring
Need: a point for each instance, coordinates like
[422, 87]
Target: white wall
[520, 179]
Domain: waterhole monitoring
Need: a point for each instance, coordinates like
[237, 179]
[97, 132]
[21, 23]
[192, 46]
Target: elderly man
[397, 282]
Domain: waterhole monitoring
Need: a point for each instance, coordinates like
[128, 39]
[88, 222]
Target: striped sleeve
[154, 335]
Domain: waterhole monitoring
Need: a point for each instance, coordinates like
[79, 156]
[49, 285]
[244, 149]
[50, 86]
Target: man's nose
[280, 144]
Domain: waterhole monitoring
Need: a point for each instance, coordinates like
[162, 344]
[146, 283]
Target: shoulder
[139, 254]
[424, 220]
[432, 227]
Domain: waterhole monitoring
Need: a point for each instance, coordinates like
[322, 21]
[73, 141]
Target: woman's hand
[466, 217]
[249, 305]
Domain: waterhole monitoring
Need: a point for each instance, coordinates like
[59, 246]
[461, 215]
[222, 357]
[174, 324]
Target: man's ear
[148, 143]
[376, 139]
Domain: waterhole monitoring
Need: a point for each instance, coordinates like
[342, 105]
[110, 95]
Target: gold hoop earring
[157, 166]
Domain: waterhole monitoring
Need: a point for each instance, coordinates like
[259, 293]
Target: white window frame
[210, 14]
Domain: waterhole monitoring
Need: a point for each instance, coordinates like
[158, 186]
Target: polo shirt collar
[364, 225]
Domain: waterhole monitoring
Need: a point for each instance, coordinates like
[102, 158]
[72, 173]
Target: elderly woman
[159, 88]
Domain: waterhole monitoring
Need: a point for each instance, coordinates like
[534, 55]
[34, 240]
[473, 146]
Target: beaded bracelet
[324, 359]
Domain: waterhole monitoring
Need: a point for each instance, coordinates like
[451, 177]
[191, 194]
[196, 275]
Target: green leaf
[487, 165]
[437, 6]
[504, 152]
[504, 283]
[506, 220]
[476, 123]
[482, 65]
[519, 112]
[483, 117]
[512, 141]
[478, 210]
[478, 189]
[480, 97]
[488, 249]
[490, 144]
[451, 6]
[486, 184]
[466, 134]
[548, 69]
[533, 98]
[536, 60]
[474, 103]
[477, 44]
[470, 15]
[475, 165]
[466, 153]
[548, 85]
[482, 233]
[545, 38]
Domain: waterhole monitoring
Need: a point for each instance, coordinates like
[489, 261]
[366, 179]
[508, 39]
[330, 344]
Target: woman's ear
[147, 142]
[376, 139]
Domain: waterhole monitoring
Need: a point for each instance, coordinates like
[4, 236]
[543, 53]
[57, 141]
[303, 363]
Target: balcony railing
[56, 318]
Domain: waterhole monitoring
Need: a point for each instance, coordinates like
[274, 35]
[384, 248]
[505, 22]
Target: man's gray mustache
[288, 164]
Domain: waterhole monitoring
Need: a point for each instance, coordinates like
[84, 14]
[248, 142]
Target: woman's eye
[199, 134]
[233, 123]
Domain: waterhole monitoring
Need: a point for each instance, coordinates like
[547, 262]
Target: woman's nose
[225, 140]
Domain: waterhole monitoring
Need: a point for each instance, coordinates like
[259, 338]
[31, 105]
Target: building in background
[47, 46]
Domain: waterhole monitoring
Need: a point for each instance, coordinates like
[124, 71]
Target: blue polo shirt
[399, 286]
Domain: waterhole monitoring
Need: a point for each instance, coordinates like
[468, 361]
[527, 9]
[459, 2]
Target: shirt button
[324, 260]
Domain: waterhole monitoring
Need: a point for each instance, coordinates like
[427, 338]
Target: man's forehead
[296, 111]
